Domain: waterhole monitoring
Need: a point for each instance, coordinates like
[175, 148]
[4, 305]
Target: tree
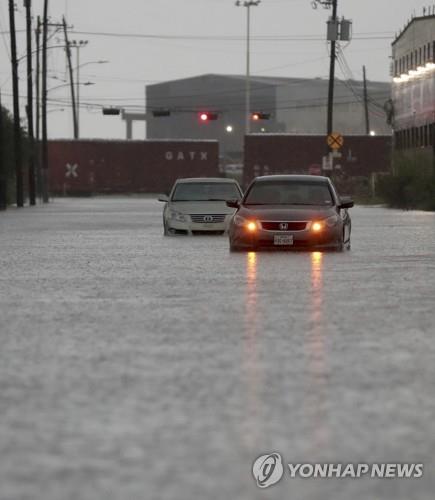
[7, 169]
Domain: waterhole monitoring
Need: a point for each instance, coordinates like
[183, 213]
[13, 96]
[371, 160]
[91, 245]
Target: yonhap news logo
[268, 470]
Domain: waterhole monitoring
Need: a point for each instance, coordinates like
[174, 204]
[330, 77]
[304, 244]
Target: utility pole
[366, 103]
[71, 80]
[332, 73]
[17, 124]
[32, 179]
[78, 45]
[248, 4]
[38, 107]
[44, 152]
[3, 177]
[38, 77]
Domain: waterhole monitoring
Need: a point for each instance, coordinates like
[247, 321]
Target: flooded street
[134, 366]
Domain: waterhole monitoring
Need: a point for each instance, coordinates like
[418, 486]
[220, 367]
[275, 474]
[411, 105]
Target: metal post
[129, 124]
[366, 103]
[248, 4]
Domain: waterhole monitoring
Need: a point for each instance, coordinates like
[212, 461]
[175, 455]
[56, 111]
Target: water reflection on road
[137, 366]
[317, 370]
[250, 352]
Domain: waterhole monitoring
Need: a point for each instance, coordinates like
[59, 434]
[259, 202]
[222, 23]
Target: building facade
[413, 93]
[293, 105]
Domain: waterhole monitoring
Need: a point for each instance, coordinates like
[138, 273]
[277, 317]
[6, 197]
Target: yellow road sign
[335, 140]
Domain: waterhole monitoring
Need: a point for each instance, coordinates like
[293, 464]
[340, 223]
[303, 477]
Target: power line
[229, 38]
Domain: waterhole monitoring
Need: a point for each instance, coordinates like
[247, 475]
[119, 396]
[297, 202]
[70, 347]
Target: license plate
[283, 239]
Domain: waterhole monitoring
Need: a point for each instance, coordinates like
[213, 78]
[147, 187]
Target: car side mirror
[346, 202]
[233, 203]
[163, 197]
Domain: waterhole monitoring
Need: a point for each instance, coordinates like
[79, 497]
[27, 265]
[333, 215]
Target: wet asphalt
[134, 366]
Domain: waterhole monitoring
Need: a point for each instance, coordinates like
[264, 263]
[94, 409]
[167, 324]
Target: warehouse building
[288, 105]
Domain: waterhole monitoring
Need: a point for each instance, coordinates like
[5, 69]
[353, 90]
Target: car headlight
[317, 226]
[178, 216]
[249, 224]
[332, 221]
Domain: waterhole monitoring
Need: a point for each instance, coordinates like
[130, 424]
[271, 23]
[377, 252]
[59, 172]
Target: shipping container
[360, 156]
[96, 166]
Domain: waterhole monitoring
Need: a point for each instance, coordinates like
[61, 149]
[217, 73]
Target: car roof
[205, 179]
[311, 178]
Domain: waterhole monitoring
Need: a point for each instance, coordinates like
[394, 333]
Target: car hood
[287, 212]
[201, 207]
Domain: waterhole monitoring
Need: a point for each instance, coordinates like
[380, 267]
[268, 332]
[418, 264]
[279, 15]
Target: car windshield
[206, 191]
[289, 193]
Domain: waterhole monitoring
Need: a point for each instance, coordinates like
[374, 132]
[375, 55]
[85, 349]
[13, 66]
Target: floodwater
[134, 366]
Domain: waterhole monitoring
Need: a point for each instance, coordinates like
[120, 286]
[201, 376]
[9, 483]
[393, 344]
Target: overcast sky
[169, 39]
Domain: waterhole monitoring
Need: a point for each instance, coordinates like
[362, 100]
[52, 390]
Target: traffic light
[111, 111]
[260, 116]
[157, 113]
[206, 116]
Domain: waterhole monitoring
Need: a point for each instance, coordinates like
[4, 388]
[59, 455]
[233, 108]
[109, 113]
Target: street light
[248, 4]
[86, 84]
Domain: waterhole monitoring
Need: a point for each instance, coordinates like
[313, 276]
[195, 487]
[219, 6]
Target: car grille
[283, 226]
[208, 218]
